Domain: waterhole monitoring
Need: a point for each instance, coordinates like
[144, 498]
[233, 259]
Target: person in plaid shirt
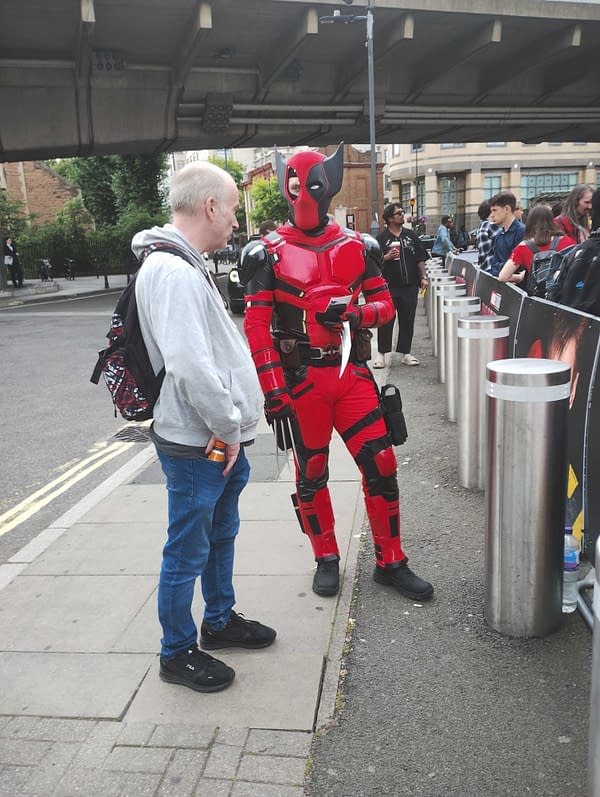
[485, 236]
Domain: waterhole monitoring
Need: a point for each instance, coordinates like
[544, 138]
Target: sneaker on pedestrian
[238, 633]
[196, 669]
[326, 580]
[379, 362]
[402, 578]
[408, 359]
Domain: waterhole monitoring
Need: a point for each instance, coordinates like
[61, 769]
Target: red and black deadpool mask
[308, 181]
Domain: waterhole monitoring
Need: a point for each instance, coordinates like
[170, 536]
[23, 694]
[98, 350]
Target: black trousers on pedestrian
[405, 303]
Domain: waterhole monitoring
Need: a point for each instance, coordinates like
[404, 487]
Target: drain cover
[134, 434]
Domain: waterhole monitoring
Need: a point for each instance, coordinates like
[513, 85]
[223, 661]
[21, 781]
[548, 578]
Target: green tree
[112, 184]
[236, 170]
[136, 182]
[13, 217]
[269, 203]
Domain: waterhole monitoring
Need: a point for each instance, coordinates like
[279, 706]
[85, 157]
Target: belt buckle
[330, 352]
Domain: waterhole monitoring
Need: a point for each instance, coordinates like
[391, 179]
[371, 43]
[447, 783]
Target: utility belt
[296, 353]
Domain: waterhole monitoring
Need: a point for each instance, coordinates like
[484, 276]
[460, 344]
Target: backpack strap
[530, 245]
[555, 242]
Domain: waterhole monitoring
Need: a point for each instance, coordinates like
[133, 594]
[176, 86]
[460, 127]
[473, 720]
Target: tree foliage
[236, 170]
[269, 203]
[13, 217]
[113, 184]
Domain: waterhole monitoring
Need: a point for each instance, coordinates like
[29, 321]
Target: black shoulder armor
[255, 257]
[373, 255]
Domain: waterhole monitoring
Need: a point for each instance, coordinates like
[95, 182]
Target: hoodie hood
[167, 234]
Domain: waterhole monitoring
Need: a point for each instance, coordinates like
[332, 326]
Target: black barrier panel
[499, 298]
[464, 271]
[547, 330]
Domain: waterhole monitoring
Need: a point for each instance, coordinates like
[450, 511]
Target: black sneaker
[238, 633]
[326, 580]
[197, 670]
[404, 580]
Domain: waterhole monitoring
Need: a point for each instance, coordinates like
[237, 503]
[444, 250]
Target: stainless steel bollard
[594, 743]
[528, 405]
[481, 338]
[444, 292]
[434, 277]
[443, 279]
[432, 268]
[455, 308]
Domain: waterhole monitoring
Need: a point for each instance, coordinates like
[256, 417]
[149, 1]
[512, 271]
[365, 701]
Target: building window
[447, 186]
[453, 145]
[405, 197]
[395, 150]
[416, 147]
[496, 144]
[534, 183]
[492, 184]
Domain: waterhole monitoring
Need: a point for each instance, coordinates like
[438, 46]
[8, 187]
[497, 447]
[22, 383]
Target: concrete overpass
[82, 77]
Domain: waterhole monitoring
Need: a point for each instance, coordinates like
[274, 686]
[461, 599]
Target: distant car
[235, 291]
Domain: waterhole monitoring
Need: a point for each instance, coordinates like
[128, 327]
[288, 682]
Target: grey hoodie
[210, 383]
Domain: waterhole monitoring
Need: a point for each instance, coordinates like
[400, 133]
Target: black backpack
[125, 364]
[577, 283]
[545, 262]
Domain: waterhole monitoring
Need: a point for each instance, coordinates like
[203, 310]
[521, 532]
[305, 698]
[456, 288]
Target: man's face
[225, 221]
[500, 214]
[585, 204]
[397, 217]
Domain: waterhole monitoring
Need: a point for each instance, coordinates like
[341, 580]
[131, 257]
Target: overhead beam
[355, 67]
[82, 66]
[566, 74]
[536, 54]
[457, 52]
[188, 49]
[287, 49]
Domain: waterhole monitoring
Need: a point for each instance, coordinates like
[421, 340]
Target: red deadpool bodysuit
[295, 335]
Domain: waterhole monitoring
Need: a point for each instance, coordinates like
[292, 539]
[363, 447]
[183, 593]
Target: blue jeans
[203, 523]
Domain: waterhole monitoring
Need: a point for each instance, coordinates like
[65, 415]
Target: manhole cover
[134, 434]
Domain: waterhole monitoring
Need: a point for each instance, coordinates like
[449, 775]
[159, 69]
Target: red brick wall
[43, 192]
[356, 188]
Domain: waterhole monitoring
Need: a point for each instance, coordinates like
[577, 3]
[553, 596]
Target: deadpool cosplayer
[295, 334]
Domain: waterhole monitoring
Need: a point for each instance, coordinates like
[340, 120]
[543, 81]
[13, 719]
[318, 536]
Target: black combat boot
[402, 578]
[327, 578]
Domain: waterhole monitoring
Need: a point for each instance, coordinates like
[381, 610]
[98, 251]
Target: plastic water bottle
[570, 571]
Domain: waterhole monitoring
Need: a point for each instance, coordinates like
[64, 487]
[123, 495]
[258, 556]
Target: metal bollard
[528, 405]
[454, 308]
[434, 277]
[432, 268]
[444, 292]
[444, 279]
[594, 743]
[481, 339]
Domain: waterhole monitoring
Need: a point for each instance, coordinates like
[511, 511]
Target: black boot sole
[415, 596]
[170, 678]
[326, 592]
[207, 644]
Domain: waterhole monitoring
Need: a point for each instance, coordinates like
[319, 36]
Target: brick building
[42, 191]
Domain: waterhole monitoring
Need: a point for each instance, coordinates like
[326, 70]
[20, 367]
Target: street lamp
[348, 19]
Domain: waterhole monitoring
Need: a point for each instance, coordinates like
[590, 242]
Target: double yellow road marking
[42, 497]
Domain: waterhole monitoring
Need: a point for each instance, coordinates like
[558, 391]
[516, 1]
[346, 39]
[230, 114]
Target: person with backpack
[542, 239]
[574, 217]
[577, 283]
[207, 412]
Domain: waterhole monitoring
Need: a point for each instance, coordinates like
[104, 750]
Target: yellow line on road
[45, 495]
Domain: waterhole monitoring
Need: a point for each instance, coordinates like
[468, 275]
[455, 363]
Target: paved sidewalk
[83, 712]
[60, 288]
